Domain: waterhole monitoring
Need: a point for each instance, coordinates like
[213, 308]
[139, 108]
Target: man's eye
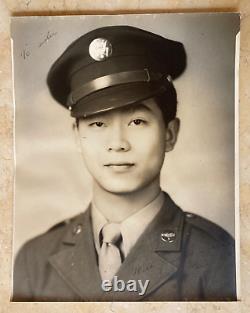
[97, 124]
[137, 122]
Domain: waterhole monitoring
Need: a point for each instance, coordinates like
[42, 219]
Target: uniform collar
[132, 227]
[151, 257]
[76, 226]
[169, 219]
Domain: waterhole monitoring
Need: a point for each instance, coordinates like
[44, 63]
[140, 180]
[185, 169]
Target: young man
[133, 242]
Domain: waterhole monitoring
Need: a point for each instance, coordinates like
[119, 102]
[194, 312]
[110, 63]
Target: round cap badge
[100, 49]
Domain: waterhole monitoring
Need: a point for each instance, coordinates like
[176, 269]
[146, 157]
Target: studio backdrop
[51, 183]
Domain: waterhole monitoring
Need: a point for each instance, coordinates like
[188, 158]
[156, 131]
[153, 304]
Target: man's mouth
[119, 167]
[119, 164]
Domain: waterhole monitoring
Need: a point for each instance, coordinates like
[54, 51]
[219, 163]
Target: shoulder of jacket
[65, 223]
[211, 229]
[53, 237]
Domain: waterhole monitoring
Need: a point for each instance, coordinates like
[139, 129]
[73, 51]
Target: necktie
[109, 256]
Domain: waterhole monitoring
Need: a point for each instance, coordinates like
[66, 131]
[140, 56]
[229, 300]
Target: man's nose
[118, 139]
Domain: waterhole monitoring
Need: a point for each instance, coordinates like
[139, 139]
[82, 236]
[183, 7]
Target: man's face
[124, 149]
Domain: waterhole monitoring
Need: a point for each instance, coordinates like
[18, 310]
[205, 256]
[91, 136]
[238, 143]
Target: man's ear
[172, 131]
[75, 128]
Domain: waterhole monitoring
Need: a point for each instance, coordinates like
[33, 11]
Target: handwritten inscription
[142, 268]
[47, 37]
[25, 53]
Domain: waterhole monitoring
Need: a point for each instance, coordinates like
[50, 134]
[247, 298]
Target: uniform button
[189, 215]
[168, 236]
[77, 229]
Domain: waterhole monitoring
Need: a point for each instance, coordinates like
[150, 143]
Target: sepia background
[47, 7]
[51, 181]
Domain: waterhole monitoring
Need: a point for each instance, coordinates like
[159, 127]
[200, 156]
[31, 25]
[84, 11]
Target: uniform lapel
[156, 256]
[76, 261]
[152, 258]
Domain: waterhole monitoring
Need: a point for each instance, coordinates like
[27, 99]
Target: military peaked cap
[114, 66]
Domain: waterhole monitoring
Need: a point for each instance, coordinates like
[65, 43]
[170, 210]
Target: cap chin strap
[111, 80]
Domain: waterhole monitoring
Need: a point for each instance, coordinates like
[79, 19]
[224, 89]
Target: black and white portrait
[125, 141]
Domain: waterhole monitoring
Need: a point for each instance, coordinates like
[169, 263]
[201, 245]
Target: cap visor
[115, 97]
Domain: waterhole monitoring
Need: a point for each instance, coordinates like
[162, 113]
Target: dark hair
[167, 102]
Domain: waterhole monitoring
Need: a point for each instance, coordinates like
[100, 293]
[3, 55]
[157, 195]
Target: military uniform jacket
[197, 262]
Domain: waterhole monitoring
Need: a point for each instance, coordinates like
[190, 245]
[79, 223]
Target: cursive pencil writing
[47, 37]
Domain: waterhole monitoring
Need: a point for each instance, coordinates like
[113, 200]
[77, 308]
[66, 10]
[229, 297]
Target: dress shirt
[131, 228]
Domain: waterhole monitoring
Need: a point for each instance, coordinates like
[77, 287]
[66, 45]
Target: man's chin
[119, 187]
[123, 190]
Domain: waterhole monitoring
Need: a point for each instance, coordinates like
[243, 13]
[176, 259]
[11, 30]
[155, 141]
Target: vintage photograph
[125, 181]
